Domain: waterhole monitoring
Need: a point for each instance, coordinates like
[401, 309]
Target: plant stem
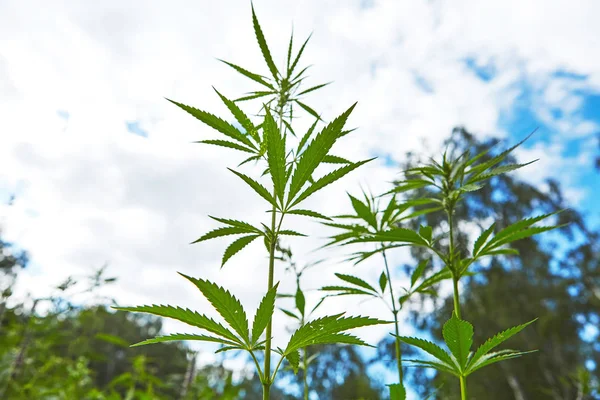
[463, 388]
[395, 312]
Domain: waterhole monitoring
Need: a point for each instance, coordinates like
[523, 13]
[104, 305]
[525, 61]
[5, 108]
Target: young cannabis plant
[448, 181]
[292, 181]
[370, 218]
[300, 313]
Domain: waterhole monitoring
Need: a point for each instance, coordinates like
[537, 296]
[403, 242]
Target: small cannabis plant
[292, 172]
[370, 218]
[448, 182]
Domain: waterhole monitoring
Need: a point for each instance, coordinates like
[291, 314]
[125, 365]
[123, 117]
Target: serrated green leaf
[471, 187]
[225, 303]
[383, 280]
[426, 232]
[186, 316]
[363, 211]
[263, 314]
[228, 144]
[418, 272]
[308, 213]
[219, 232]
[306, 136]
[300, 301]
[287, 232]
[327, 180]
[290, 314]
[345, 290]
[185, 336]
[293, 358]
[239, 115]
[237, 246]
[308, 109]
[493, 342]
[458, 335]
[258, 188]
[238, 224]
[329, 330]
[397, 391]
[498, 356]
[255, 77]
[482, 239]
[433, 279]
[356, 281]
[215, 122]
[428, 347]
[262, 43]
[403, 235]
[440, 366]
[254, 95]
[275, 155]
[312, 89]
[299, 55]
[289, 54]
[330, 159]
[385, 218]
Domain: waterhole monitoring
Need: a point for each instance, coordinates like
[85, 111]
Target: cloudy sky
[102, 166]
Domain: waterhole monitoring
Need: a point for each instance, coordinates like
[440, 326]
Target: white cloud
[91, 192]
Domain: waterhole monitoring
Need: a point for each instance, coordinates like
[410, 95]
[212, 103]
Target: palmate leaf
[262, 43]
[306, 136]
[479, 242]
[186, 336]
[356, 281]
[238, 224]
[458, 335]
[237, 246]
[226, 305]
[186, 316]
[263, 314]
[216, 123]
[440, 366]
[327, 180]
[492, 343]
[402, 235]
[316, 151]
[329, 329]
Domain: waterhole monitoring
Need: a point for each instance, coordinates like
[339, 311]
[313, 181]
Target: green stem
[456, 298]
[266, 391]
[395, 312]
[463, 388]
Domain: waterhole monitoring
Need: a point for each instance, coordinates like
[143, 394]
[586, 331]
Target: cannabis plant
[372, 216]
[293, 179]
[448, 182]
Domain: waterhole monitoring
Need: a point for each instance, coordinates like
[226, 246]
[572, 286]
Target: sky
[103, 171]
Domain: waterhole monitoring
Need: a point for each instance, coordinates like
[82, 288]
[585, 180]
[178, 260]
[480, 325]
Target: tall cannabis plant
[293, 178]
[372, 216]
[450, 180]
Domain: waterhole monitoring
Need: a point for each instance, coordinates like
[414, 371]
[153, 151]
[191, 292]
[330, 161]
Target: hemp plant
[292, 174]
[448, 182]
[370, 217]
